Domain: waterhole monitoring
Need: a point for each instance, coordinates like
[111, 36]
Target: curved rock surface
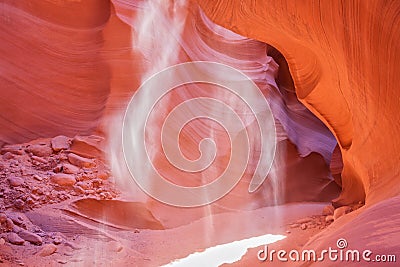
[193, 37]
[53, 80]
[73, 72]
[70, 67]
[69, 62]
[343, 63]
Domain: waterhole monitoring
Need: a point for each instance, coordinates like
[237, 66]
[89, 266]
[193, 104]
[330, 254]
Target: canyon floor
[60, 205]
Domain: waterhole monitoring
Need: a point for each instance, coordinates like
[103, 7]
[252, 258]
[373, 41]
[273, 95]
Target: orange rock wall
[65, 65]
[53, 79]
[343, 56]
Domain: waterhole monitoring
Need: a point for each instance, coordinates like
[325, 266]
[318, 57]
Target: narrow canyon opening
[86, 129]
[311, 175]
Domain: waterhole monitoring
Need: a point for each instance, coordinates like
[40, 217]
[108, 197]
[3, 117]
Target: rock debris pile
[47, 171]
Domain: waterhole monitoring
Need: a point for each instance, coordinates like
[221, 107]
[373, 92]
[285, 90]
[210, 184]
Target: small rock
[62, 196]
[63, 179]
[2, 241]
[329, 218]
[47, 250]
[29, 201]
[8, 156]
[30, 237]
[79, 190]
[295, 225]
[58, 168]
[14, 149]
[80, 161]
[34, 197]
[114, 246]
[89, 146]
[57, 240]
[90, 192]
[37, 191]
[303, 226]
[40, 150]
[105, 195]
[339, 212]
[83, 185]
[62, 261]
[15, 181]
[13, 238]
[70, 169]
[39, 159]
[17, 217]
[103, 175]
[304, 220]
[288, 232]
[357, 206]
[37, 177]
[16, 229]
[328, 210]
[60, 142]
[97, 183]
[87, 176]
[311, 225]
[9, 224]
[3, 218]
[19, 204]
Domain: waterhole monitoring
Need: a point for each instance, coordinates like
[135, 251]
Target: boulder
[30, 237]
[47, 250]
[63, 179]
[339, 212]
[60, 142]
[80, 161]
[328, 210]
[69, 168]
[15, 181]
[40, 150]
[14, 239]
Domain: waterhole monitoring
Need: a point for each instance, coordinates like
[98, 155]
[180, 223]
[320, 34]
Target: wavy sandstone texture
[53, 79]
[343, 59]
[70, 67]
[69, 71]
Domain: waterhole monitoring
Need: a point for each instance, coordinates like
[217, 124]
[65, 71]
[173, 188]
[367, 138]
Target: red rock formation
[343, 59]
[53, 79]
[201, 39]
[57, 52]
[70, 67]
[343, 63]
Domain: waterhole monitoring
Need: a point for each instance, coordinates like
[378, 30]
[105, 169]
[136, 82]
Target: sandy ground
[58, 209]
[89, 243]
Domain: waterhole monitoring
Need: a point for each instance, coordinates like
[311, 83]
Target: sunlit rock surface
[70, 67]
[344, 72]
[343, 61]
[80, 79]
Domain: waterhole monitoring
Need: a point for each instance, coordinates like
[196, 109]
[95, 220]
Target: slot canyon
[274, 126]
